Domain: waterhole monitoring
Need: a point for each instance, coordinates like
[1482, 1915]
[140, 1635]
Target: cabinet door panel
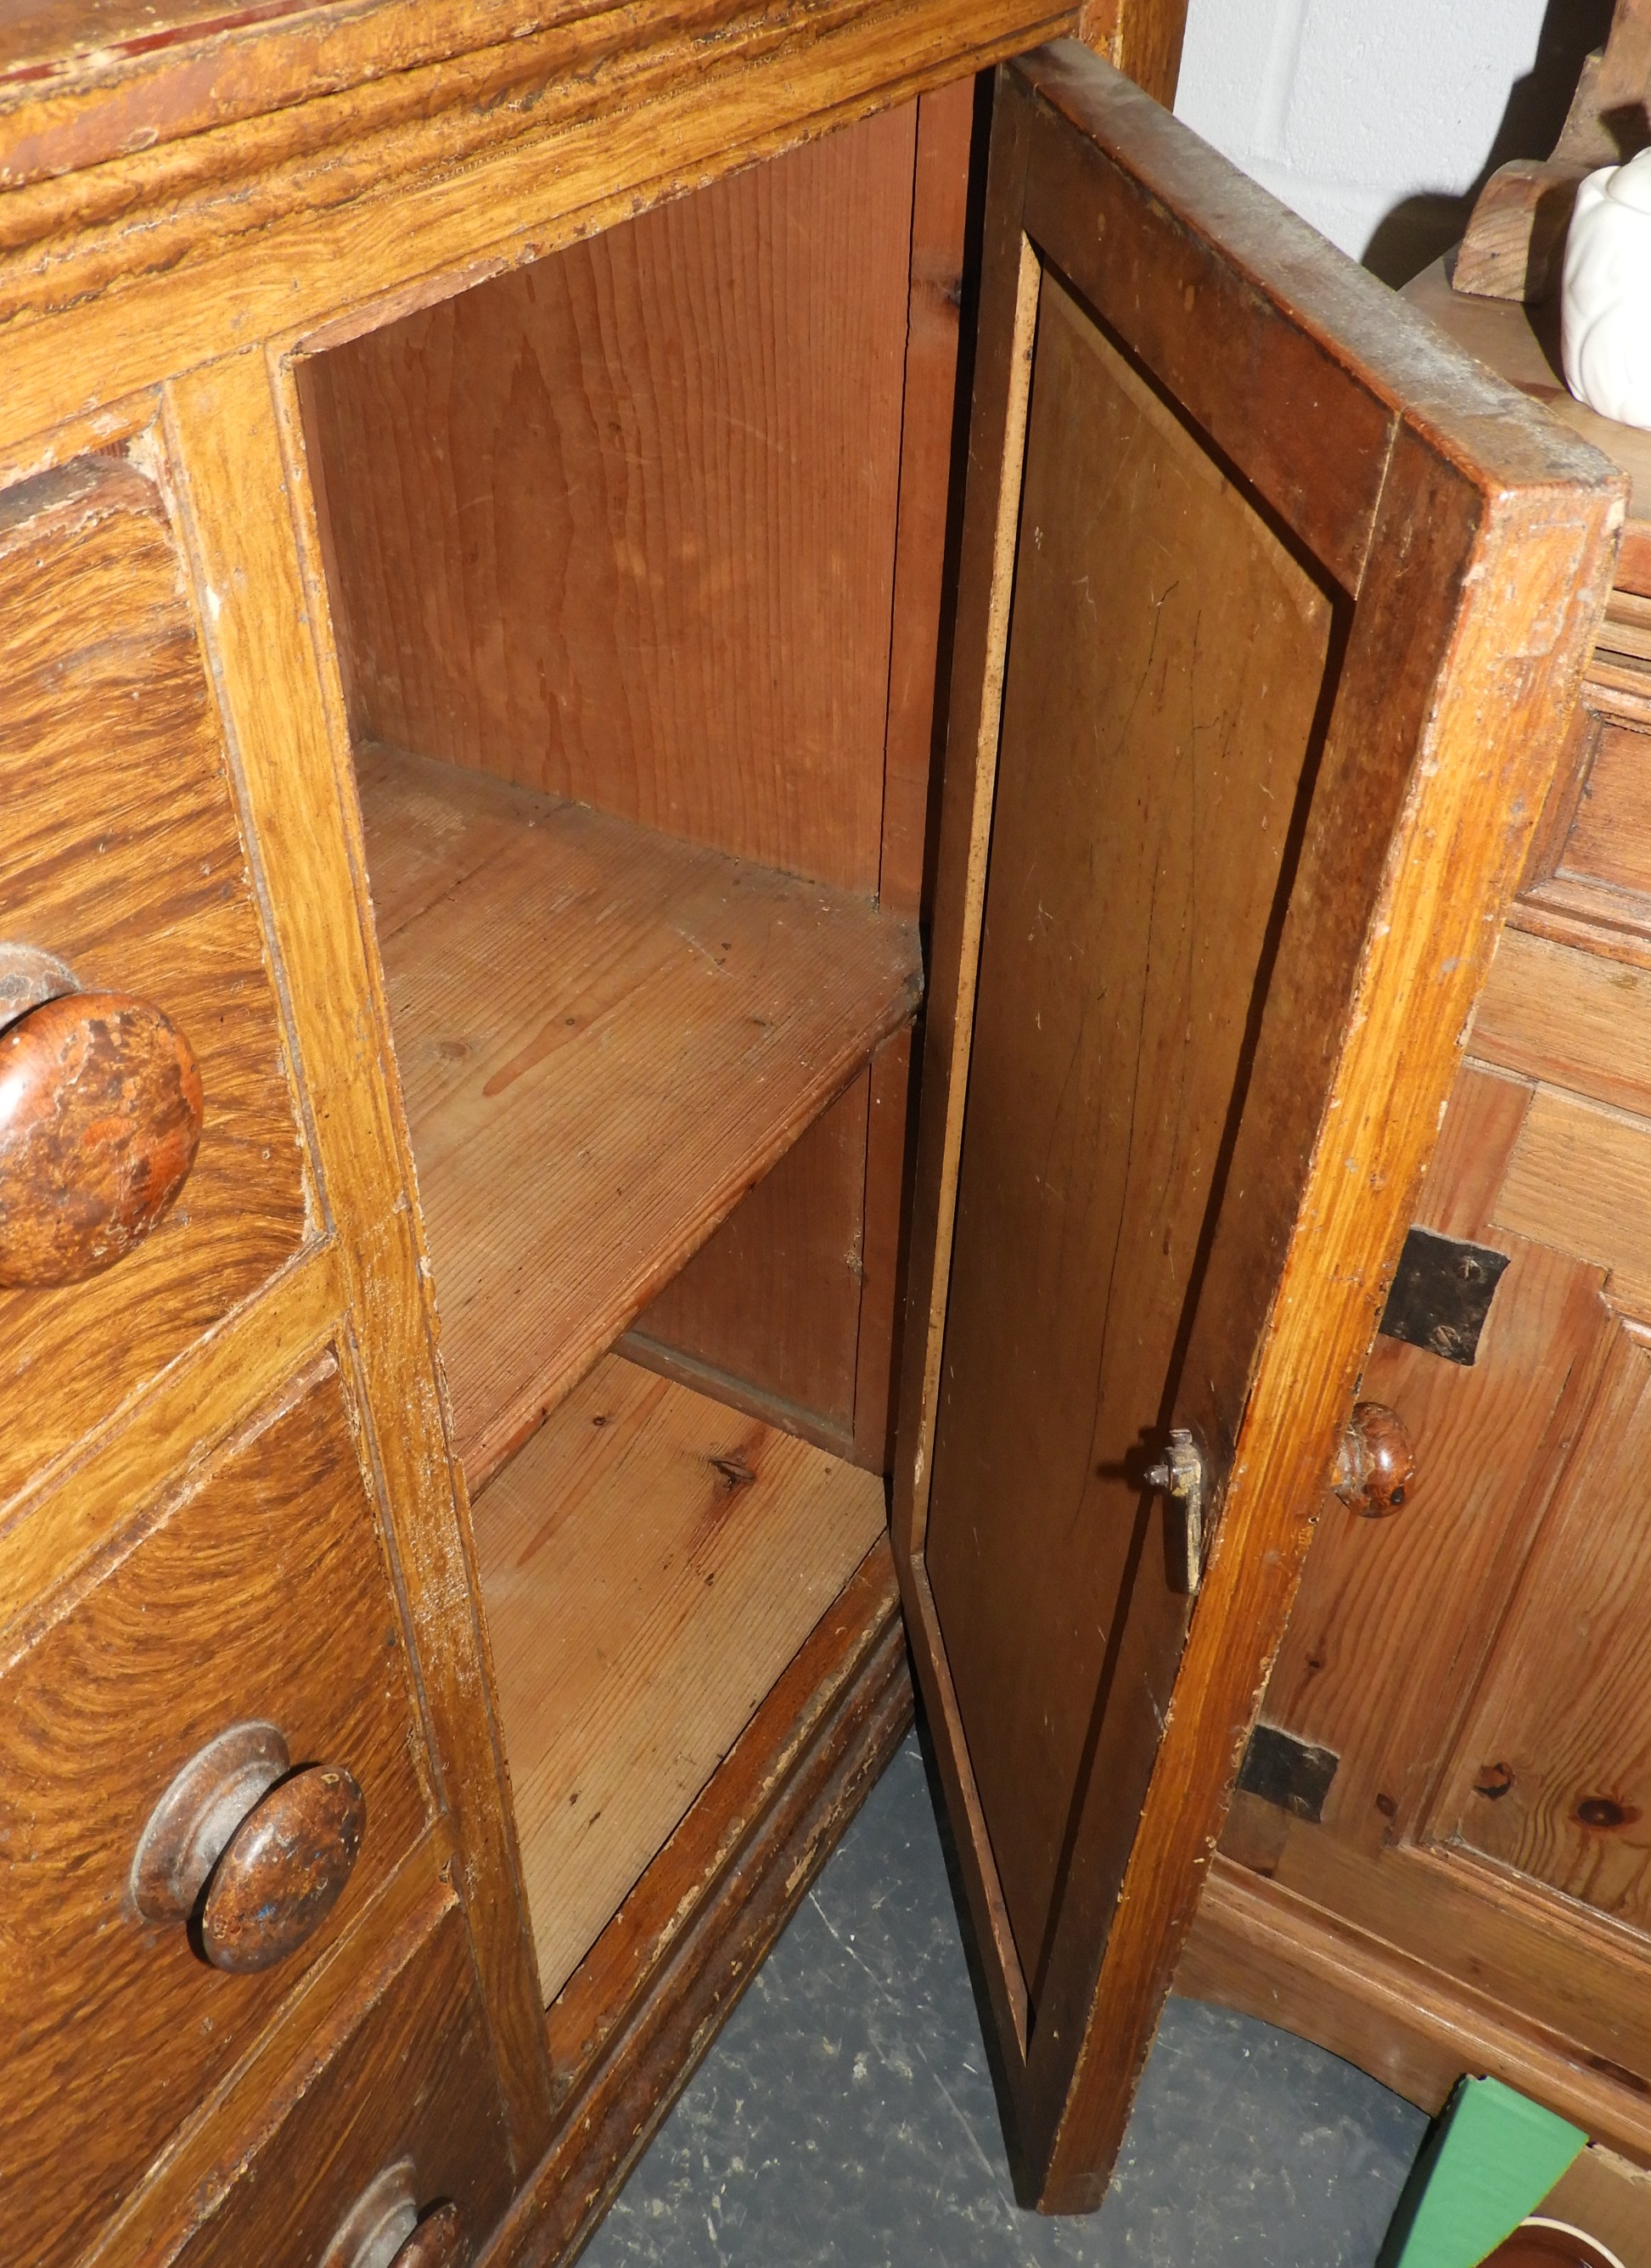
[1554, 1772]
[1117, 962]
[1271, 611]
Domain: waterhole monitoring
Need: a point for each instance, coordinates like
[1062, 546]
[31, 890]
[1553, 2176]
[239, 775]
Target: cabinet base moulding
[1268, 1952]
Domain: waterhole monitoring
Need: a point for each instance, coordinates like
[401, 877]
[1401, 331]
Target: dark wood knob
[100, 1111]
[272, 1848]
[385, 2229]
[1375, 1462]
[438, 2241]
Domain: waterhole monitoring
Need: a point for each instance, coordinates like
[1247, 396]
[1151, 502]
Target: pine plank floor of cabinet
[651, 1562]
[607, 1037]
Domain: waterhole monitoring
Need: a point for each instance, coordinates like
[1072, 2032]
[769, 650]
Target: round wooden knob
[272, 1848]
[438, 2241]
[1375, 1462]
[384, 2229]
[100, 1110]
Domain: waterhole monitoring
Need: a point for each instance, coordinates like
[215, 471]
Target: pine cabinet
[759, 784]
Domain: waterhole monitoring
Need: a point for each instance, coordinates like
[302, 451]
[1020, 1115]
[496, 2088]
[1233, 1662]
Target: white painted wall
[1345, 108]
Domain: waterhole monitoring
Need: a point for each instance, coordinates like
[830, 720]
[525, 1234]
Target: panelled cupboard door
[1271, 610]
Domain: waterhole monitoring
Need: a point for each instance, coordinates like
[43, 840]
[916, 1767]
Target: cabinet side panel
[621, 526]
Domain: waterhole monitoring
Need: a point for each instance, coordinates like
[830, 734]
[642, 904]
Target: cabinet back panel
[774, 1298]
[621, 526]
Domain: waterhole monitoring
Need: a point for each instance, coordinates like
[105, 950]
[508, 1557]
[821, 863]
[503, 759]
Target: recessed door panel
[1167, 658]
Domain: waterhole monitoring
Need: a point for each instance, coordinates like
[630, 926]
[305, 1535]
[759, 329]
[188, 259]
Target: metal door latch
[1180, 1477]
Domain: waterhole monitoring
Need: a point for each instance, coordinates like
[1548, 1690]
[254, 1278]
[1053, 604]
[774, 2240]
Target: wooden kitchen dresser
[1437, 1859]
[473, 614]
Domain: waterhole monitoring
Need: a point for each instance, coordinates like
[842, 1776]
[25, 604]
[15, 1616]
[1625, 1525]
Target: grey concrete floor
[845, 2118]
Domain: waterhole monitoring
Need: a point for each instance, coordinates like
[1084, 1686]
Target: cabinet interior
[634, 558]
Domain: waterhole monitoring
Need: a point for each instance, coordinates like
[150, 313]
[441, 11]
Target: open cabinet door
[1272, 606]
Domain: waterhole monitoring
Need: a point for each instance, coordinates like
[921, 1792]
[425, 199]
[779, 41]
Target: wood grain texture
[1523, 345]
[773, 1301]
[204, 1397]
[102, 1120]
[634, 2019]
[123, 856]
[236, 455]
[209, 2154]
[1553, 1771]
[620, 526]
[1580, 1179]
[431, 177]
[766, 1308]
[890, 1141]
[605, 1039]
[919, 643]
[262, 1591]
[1569, 1019]
[1610, 2199]
[1440, 746]
[1610, 839]
[412, 2077]
[1258, 1947]
[1369, 1668]
[1119, 956]
[1141, 38]
[649, 1563]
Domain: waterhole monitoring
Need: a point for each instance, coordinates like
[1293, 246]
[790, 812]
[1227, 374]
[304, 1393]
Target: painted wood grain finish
[408, 2076]
[260, 1589]
[287, 230]
[1119, 958]
[605, 1039]
[621, 526]
[650, 1564]
[122, 855]
[238, 459]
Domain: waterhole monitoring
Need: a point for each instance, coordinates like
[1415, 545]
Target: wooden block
[649, 1565]
[1514, 244]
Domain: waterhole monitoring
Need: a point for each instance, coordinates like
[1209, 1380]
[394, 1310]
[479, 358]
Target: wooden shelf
[649, 1563]
[606, 1037]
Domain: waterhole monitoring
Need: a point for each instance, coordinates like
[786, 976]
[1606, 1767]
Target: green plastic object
[1493, 2156]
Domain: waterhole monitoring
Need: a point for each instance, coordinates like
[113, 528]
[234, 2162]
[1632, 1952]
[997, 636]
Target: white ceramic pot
[1605, 297]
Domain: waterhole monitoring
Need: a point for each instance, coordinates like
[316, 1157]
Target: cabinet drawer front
[122, 858]
[409, 2089]
[258, 1592]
